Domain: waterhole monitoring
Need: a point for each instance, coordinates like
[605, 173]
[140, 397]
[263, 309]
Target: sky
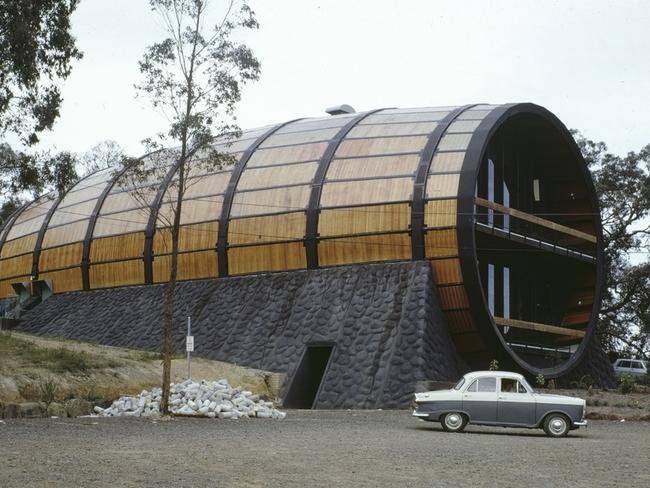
[584, 60]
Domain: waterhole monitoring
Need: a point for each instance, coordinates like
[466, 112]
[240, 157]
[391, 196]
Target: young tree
[36, 49]
[194, 78]
[623, 188]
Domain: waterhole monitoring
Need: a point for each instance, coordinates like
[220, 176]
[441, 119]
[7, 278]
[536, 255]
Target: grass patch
[149, 356]
[58, 360]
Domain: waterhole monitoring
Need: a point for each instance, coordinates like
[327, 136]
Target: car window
[624, 364]
[637, 365]
[487, 385]
[459, 384]
[521, 388]
[525, 385]
[473, 386]
[508, 385]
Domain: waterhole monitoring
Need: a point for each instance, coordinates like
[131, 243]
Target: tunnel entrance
[308, 377]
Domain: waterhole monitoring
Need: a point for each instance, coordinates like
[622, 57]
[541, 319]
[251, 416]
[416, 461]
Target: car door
[480, 399]
[637, 369]
[623, 368]
[515, 404]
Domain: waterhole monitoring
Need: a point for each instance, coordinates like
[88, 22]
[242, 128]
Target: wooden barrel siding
[385, 185]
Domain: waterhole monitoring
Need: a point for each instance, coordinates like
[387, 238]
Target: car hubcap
[453, 421]
[557, 426]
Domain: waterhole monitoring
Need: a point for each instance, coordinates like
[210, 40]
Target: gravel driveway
[315, 448]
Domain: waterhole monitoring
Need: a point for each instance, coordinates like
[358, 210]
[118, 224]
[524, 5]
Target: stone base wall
[384, 321]
[594, 367]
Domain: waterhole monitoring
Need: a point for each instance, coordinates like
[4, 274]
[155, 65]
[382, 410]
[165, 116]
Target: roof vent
[340, 109]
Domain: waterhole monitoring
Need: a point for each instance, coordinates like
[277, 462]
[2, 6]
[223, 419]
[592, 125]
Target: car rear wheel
[453, 422]
[556, 425]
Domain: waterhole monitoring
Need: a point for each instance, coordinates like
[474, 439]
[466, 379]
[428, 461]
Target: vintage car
[500, 398]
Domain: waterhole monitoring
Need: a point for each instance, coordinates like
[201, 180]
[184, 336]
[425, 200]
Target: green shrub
[48, 388]
[494, 365]
[626, 384]
[540, 380]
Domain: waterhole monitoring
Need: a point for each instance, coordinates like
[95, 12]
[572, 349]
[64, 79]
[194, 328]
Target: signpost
[189, 347]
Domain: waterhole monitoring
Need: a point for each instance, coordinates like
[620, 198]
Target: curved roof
[347, 162]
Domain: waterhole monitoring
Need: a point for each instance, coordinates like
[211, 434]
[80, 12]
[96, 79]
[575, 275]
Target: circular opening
[535, 235]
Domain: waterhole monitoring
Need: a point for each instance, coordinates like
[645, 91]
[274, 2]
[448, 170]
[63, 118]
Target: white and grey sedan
[500, 398]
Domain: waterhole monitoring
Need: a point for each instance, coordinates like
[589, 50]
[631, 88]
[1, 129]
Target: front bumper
[420, 414]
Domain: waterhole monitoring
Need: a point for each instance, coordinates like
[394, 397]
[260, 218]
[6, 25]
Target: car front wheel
[557, 425]
[453, 422]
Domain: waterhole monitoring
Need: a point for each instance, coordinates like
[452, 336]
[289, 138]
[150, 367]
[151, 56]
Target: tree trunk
[170, 288]
[167, 345]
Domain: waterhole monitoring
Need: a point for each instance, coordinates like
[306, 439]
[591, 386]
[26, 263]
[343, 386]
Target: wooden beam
[551, 329]
[518, 214]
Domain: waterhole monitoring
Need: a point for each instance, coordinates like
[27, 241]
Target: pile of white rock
[214, 399]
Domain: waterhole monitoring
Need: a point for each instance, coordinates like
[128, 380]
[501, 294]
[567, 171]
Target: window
[536, 194]
[506, 296]
[473, 386]
[508, 385]
[490, 287]
[506, 203]
[490, 190]
[511, 385]
[487, 385]
[459, 384]
[624, 364]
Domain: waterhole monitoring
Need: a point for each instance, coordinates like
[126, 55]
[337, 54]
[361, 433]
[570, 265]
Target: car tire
[557, 425]
[453, 422]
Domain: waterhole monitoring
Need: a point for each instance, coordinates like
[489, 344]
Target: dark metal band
[38, 247]
[85, 259]
[229, 195]
[150, 230]
[420, 184]
[474, 155]
[313, 210]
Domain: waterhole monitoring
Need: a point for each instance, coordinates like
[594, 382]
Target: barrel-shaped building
[497, 198]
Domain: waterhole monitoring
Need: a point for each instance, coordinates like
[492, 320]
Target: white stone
[204, 398]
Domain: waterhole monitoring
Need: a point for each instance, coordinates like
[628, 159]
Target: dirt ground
[315, 449]
[122, 371]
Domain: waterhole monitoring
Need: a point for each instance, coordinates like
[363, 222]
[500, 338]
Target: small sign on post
[189, 347]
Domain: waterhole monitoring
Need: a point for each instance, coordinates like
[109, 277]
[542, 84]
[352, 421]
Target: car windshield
[459, 384]
[527, 385]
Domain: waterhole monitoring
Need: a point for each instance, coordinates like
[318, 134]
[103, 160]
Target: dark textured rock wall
[594, 367]
[384, 320]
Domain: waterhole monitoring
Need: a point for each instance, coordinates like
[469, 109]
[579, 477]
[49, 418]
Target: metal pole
[189, 354]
